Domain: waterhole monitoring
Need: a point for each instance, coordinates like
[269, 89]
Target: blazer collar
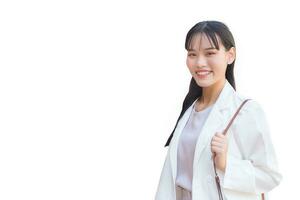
[222, 100]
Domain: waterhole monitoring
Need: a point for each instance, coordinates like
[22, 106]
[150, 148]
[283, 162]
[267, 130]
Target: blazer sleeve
[257, 172]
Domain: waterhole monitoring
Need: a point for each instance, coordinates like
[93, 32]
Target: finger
[218, 150]
[217, 143]
[220, 135]
[218, 139]
[218, 146]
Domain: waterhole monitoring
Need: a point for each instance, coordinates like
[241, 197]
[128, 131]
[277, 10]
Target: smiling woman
[244, 158]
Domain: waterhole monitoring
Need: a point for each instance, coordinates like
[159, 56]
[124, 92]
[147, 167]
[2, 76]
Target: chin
[204, 83]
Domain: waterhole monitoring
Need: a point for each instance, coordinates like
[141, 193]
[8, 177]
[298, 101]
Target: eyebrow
[209, 48]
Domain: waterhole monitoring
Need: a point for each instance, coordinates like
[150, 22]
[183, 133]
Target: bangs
[212, 37]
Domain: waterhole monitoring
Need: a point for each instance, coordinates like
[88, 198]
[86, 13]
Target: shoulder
[251, 106]
[252, 119]
[252, 111]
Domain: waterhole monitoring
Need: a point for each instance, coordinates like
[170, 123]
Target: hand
[219, 147]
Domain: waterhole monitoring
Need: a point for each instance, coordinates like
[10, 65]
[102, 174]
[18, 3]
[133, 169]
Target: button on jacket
[251, 166]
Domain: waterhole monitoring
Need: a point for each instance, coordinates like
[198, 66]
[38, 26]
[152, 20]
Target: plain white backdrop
[91, 90]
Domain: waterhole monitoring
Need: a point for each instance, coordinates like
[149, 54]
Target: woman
[245, 158]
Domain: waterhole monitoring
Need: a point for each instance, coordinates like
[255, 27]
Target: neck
[211, 93]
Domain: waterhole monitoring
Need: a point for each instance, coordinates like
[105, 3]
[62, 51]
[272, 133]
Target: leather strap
[224, 133]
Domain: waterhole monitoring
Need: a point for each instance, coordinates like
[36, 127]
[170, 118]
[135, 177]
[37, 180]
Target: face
[206, 63]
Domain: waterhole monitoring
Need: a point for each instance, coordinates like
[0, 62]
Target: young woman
[245, 159]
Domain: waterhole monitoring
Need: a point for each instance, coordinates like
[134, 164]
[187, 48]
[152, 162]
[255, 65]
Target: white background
[90, 90]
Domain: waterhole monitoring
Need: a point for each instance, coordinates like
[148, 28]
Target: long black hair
[211, 30]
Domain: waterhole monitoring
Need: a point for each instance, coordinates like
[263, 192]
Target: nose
[200, 61]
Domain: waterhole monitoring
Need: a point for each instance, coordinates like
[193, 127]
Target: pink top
[186, 147]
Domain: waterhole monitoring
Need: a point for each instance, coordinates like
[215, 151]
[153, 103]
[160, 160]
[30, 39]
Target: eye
[211, 53]
[191, 54]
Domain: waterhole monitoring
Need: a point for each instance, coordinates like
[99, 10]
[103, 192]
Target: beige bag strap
[224, 133]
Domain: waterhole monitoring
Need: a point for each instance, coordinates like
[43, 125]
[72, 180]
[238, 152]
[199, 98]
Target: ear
[231, 55]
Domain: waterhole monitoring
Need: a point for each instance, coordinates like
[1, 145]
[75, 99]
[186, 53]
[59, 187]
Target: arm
[258, 171]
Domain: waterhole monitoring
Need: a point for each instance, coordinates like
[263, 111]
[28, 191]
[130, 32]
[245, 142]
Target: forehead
[200, 41]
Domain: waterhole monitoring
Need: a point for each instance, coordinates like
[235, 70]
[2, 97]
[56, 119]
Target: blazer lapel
[214, 122]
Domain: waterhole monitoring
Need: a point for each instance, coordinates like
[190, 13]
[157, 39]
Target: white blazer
[251, 167]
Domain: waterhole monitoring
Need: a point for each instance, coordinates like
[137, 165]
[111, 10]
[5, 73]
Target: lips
[203, 73]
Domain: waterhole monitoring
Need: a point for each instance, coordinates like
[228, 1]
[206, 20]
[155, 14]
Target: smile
[203, 74]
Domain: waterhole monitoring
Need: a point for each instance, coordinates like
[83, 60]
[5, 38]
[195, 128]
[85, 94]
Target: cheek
[220, 70]
[218, 65]
[216, 61]
[189, 64]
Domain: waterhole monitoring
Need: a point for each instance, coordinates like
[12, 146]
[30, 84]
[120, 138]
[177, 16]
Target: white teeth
[203, 73]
